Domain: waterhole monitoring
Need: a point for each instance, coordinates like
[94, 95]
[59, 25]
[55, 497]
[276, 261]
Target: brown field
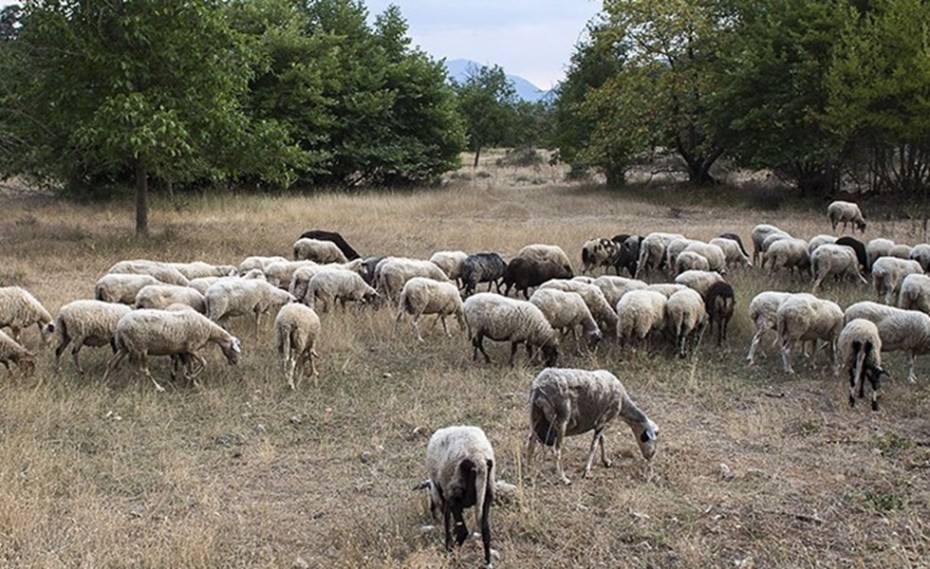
[754, 469]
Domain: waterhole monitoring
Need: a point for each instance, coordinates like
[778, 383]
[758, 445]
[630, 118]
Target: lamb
[486, 267]
[553, 253]
[161, 271]
[258, 262]
[460, 463]
[425, 296]
[921, 254]
[598, 253]
[837, 260]
[733, 251]
[877, 248]
[789, 254]
[652, 251]
[121, 288]
[915, 293]
[859, 248]
[758, 235]
[507, 320]
[887, 274]
[804, 317]
[593, 297]
[615, 287]
[847, 212]
[762, 311]
[11, 352]
[714, 255]
[198, 269]
[161, 296]
[393, 272]
[566, 402]
[296, 329]
[686, 317]
[19, 309]
[640, 312]
[720, 301]
[860, 352]
[690, 261]
[86, 323]
[325, 288]
[225, 299]
[450, 262]
[523, 273]
[318, 251]
[699, 280]
[323, 235]
[566, 311]
[143, 333]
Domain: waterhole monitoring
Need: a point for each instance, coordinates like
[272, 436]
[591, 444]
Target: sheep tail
[542, 426]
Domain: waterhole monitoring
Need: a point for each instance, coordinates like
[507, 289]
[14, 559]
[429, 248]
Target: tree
[486, 99]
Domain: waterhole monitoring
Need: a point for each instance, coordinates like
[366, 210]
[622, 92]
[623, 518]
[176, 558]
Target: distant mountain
[459, 69]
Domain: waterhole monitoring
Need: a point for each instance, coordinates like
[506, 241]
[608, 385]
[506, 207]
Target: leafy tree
[486, 100]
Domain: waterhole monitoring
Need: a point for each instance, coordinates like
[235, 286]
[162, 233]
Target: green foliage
[486, 99]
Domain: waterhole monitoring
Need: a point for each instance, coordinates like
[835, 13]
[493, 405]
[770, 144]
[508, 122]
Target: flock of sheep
[146, 308]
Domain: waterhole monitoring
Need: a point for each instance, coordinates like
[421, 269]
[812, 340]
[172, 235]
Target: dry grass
[755, 469]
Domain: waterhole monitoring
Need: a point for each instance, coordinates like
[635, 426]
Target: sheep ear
[236, 345]
[650, 433]
[423, 485]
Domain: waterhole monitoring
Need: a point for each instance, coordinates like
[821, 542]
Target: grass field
[754, 469]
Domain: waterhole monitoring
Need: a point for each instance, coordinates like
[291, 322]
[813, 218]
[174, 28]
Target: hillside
[459, 68]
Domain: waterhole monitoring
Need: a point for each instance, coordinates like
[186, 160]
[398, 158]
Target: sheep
[887, 274]
[714, 255]
[902, 330]
[837, 260]
[628, 254]
[673, 250]
[733, 251]
[567, 310]
[318, 251]
[565, 402]
[915, 293]
[737, 239]
[598, 252]
[758, 235]
[847, 212]
[225, 299]
[686, 317]
[393, 272]
[860, 352]
[859, 248]
[460, 464]
[161, 271]
[554, 253]
[198, 269]
[323, 235]
[367, 270]
[163, 295]
[326, 287]
[19, 309]
[900, 251]
[689, 260]
[143, 333]
[804, 317]
[523, 273]
[666, 289]
[122, 288]
[300, 279]
[86, 323]
[762, 311]
[698, 280]
[921, 254]
[485, 267]
[788, 253]
[615, 287]
[652, 251]
[258, 262]
[593, 297]
[508, 320]
[817, 241]
[425, 296]
[450, 262]
[868, 310]
[719, 304]
[201, 284]
[296, 329]
[280, 273]
[877, 248]
[639, 312]
[11, 352]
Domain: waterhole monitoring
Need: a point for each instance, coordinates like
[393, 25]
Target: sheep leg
[445, 328]
[478, 343]
[113, 363]
[74, 356]
[761, 329]
[447, 521]
[289, 365]
[595, 442]
[144, 368]
[530, 447]
[557, 447]
[786, 356]
[604, 460]
[416, 326]
[513, 351]
[65, 340]
[911, 376]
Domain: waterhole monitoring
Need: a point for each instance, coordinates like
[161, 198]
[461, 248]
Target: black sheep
[719, 301]
[523, 273]
[482, 268]
[859, 248]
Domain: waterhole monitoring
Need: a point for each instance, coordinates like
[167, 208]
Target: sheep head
[647, 436]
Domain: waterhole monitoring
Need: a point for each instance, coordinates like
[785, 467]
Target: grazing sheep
[762, 311]
[686, 317]
[507, 320]
[900, 330]
[296, 329]
[162, 296]
[720, 301]
[859, 248]
[300, 280]
[523, 273]
[666, 289]
[598, 252]
[900, 251]
[326, 287]
[567, 310]
[228, 298]
[425, 296]
[258, 262]
[318, 251]
[699, 280]
[868, 310]
[11, 352]
[201, 284]
[887, 274]
[121, 288]
[736, 238]
[759, 234]
[789, 254]
[652, 250]
[482, 268]
[817, 241]
[161, 271]
[673, 250]
[921, 254]
[772, 239]
[393, 272]
[280, 273]
[690, 261]
[369, 264]
[860, 352]
[733, 251]
[86, 323]
[640, 312]
[553, 253]
[566, 402]
[804, 317]
[628, 255]
[847, 212]
[877, 248]
[450, 262]
[915, 293]
[323, 235]
[593, 297]
[714, 255]
[836, 260]
[615, 287]
[143, 333]
[460, 463]
[19, 310]
[198, 269]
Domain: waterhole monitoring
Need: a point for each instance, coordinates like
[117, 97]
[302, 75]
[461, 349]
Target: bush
[520, 157]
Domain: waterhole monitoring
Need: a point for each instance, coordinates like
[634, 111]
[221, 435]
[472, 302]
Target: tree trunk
[477, 154]
[142, 199]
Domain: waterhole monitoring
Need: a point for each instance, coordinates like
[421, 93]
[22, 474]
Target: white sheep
[714, 255]
[921, 254]
[900, 251]
[698, 280]
[228, 298]
[818, 240]
[686, 317]
[847, 212]
[900, 330]
[915, 293]
[640, 312]
[690, 261]
[732, 251]
[450, 262]
[887, 274]
[199, 269]
[594, 298]
[121, 288]
[201, 284]
[425, 296]
[301, 277]
[161, 296]
[759, 234]
[652, 251]
[296, 329]
[837, 260]
[666, 289]
[762, 311]
[540, 252]
[772, 238]
[877, 248]
[259, 262]
[280, 273]
[859, 349]
[317, 250]
[566, 402]
[867, 309]
[161, 271]
[143, 333]
[11, 352]
[673, 250]
[566, 311]
[788, 253]
[615, 287]
[19, 309]
[506, 319]
[86, 323]
[460, 465]
[804, 317]
[392, 273]
[326, 287]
